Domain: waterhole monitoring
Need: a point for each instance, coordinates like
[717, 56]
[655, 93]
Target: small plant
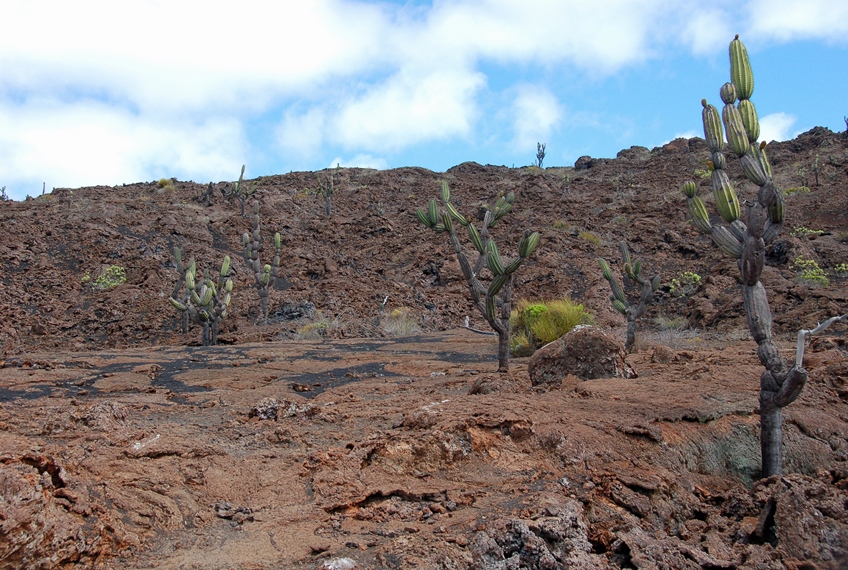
[685, 284]
[86, 277]
[797, 190]
[841, 269]
[540, 153]
[400, 322]
[537, 323]
[494, 300]
[319, 328]
[166, 184]
[590, 237]
[801, 231]
[264, 276]
[109, 279]
[810, 272]
[702, 173]
[561, 225]
[625, 306]
[3, 196]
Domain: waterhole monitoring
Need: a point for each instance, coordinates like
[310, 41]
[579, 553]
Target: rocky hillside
[340, 269]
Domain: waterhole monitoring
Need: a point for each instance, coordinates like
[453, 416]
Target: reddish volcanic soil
[125, 444]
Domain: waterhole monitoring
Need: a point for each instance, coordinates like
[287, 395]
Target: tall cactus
[498, 293]
[205, 302]
[745, 236]
[633, 273]
[264, 276]
[240, 193]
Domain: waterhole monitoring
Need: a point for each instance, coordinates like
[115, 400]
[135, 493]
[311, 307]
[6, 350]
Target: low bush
[536, 323]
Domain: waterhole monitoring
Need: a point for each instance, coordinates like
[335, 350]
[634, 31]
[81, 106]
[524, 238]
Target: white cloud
[187, 53]
[793, 19]
[407, 109]
[536, 113]
[301, 134]
[708, 30]
[88, 143]
[360, 161]
[776, 127]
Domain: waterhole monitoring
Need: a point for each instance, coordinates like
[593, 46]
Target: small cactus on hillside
[327, 188]
[240, 193]
[204, 301]
[493, 301]
[264, 276]
[744, 235]
[633, 274]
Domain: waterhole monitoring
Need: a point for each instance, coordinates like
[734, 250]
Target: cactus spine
[620, 301]
[495, 300]
[264, 276]
[204, 301]
[746, 241]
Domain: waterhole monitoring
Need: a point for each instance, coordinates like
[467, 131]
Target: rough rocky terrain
[125, 444]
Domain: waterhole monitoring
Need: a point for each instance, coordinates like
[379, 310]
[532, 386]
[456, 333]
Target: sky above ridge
[103, 92]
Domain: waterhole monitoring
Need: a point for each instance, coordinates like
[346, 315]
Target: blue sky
[104, 92]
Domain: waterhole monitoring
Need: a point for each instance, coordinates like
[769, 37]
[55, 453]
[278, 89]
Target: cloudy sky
[105, 92]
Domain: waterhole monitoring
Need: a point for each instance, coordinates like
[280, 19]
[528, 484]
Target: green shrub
[536, 323]
[685, 284]
[165, 184]
[109, 279]
[796, 190]
[801, 231]
[400, 322]
[590, 237]
[810, 272]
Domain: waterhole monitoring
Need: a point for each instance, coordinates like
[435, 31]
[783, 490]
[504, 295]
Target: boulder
[586, 352]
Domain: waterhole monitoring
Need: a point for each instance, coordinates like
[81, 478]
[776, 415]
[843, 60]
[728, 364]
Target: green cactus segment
[728, 93]
[737, 137]
[713, 132]
[625, 254]
[497, 285]
[528, 244]
[619, 306]
[717, 160]
[445, 192]
[476, 239]
[689, 189]
[422, 216]
[725, 196]
[777, 209]
[741, 73]
[749, 119]
[454, 213]
[493, 259]
[726, 241]
[699, 214]
[177, 304]
[605, 268]
[433, 213]
[752, 168]
[764, 161]
[513, 265]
